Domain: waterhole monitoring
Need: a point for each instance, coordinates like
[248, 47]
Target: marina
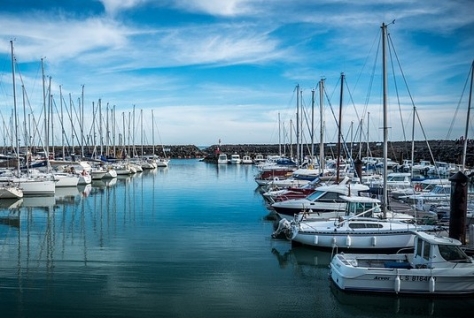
[193, 233]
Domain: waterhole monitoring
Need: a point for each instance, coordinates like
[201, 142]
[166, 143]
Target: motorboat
[296, 192]
[246, 159]
[325, 198]
[419, 187]
[222, 159]
[441, 192]
[394, 180]
[436, 266]
[362, 226]
[235, 159]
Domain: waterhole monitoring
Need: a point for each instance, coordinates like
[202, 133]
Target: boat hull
[423, 281]
[38, 188]
[356, 241]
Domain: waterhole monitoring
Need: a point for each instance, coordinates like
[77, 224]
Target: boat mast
[63, 131]
[279, 135]
[100, 129]
[113, 131]
[298, 124]
[321, 131]
[153, 134]
[467, 120]
[413, 142]
[385, 129]
[15, 111]
[339, 130]
[27, 131]
[312, 128]
[82, 123]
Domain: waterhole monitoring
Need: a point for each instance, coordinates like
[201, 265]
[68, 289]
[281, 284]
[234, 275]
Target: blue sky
[214, 69]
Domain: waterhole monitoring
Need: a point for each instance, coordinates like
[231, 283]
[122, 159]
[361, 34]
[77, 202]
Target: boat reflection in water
[302, 255]
[103, 183]
[359, 304]
[39, 201]
[9, 211]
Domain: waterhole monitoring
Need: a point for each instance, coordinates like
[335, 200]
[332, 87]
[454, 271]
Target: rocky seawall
[441, 150]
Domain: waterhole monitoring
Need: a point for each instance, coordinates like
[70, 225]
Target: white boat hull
[10, 191]
[66, 180]
[383, 279]
[348, 240]
[38, 188]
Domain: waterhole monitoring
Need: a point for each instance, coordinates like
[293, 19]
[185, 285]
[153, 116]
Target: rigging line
[391, 46]
[332, 109]
[427, 143]
[352, 100]
[36, 129]
[377, 37]
[459, 104]
[371, 81]
[401, 71]
[31, 111]
[61, 121]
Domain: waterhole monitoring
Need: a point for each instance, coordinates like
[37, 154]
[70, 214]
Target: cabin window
[364, 225]
[356, 225]
[374, 226]
[330, 197]
[426, 250]
[315, 195]
[451, 253]
[419, 246]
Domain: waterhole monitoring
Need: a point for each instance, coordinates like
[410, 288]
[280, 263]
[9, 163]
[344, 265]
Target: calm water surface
[190, 240]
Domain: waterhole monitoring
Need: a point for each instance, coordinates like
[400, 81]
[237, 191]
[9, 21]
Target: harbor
[192, 233]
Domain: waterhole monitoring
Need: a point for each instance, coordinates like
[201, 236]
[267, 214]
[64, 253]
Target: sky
[196, 72]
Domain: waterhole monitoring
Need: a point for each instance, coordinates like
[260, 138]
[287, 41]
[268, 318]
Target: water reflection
[402, 305]
[149, 243]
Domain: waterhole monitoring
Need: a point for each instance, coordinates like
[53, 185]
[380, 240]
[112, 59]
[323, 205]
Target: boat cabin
[434, 251]
[361, 206]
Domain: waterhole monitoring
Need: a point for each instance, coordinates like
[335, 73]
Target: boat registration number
[415, 278]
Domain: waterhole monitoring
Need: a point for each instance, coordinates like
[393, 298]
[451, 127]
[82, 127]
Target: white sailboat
[10, 190]
[358, 230]
[30, 186]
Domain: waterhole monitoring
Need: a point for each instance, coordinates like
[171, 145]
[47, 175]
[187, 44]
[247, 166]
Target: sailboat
[10, 190]
[41, 186]
[358, 229]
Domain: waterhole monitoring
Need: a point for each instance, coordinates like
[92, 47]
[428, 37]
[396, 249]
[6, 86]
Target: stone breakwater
[441, 150]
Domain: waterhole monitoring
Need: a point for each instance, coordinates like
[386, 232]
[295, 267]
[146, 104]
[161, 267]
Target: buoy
[397, 284]
[432, 284]
[348, 241]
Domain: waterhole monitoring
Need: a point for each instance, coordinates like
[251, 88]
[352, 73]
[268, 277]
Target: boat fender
[432, 284]
[348, 241]
[397, 284]
[374, 241]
